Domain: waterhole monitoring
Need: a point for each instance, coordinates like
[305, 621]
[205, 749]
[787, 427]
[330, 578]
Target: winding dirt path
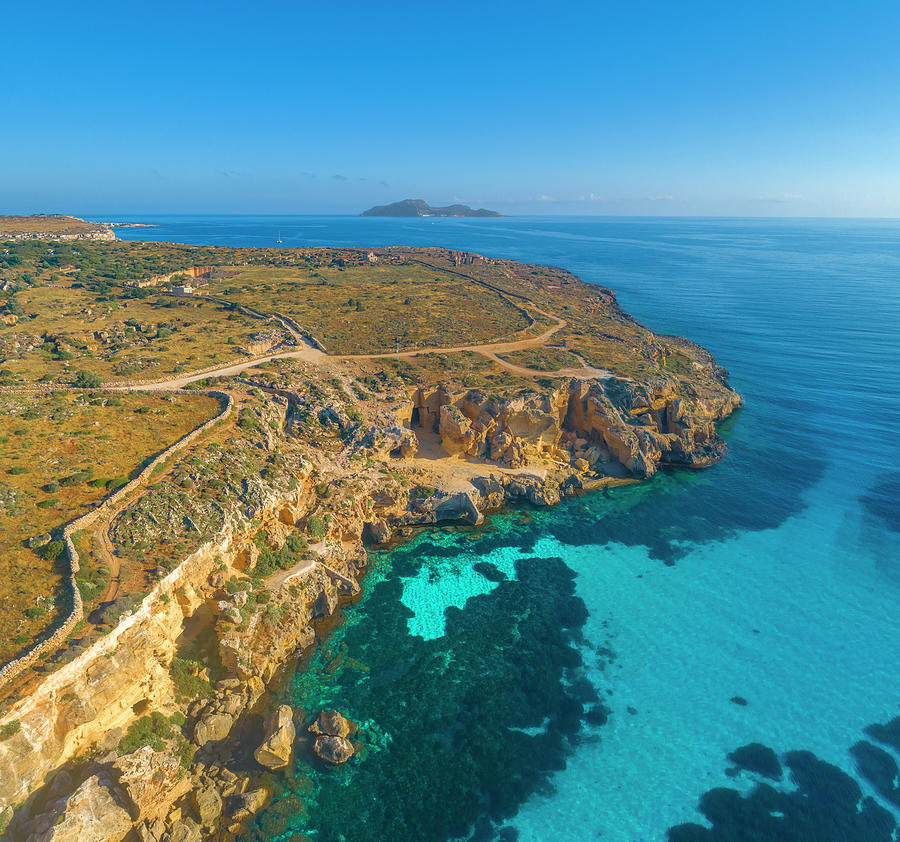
[309, 353]
[491, 350]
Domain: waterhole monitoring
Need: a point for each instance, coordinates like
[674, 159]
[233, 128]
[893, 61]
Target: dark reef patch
[755, 757]
[457, 731]
[883, 501]
[827, 806]
[489, 571]
[889, 733]
[879, 768]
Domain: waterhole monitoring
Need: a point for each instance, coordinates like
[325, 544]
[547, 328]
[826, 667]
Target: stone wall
[15, 667]
[192, 272]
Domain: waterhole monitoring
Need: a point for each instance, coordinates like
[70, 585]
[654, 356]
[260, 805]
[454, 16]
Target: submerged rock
[331, 730]
[334, 750]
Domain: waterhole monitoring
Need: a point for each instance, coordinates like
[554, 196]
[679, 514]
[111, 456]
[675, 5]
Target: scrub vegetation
[60, 455]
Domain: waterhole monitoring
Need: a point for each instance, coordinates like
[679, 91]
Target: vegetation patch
[52, 447]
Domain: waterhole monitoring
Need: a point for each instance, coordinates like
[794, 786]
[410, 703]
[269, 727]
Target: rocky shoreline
[163, 730]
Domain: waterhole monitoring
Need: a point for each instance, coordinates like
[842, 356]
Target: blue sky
[662, 108]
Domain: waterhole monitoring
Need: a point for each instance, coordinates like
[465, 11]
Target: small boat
[279, 236]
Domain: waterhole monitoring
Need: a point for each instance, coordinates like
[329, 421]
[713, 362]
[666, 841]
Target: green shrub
[52, 550]
[188, 683]
[151, 731]
[18, 469]
[297, 543]
[79, 477]
[49, 503]
[316, 526]
[88, 380]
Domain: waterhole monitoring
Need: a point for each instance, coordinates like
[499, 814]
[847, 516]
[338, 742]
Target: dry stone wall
[15, 667]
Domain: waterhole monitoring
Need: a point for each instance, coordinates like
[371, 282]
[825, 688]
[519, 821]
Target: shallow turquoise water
[478, 661]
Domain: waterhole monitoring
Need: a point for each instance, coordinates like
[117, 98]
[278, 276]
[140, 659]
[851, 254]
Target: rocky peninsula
[53, 227]
[248, 544]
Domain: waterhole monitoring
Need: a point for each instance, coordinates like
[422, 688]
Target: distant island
[419, 207]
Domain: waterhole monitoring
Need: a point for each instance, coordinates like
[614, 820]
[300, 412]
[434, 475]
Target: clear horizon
[593, 110]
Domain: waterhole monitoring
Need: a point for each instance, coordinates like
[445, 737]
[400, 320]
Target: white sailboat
[279, 236]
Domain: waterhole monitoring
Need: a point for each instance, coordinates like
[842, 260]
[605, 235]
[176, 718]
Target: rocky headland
[53, 227]
[165, 729]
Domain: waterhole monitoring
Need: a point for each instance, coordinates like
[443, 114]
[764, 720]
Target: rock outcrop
[592, 425]
[331, 730]
[90, 814]
[277, 748]
[334, 750]
[152, 782]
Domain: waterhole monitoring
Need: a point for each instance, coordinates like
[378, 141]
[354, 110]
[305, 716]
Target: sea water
[584, 672]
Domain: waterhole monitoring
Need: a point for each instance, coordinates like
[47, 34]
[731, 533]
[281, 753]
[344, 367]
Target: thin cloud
[339, 178]
[780, 199]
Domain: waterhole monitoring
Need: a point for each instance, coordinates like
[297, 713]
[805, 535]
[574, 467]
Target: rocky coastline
[166, 729]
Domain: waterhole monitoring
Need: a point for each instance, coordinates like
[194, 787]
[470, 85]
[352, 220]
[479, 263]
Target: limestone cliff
[596, 425]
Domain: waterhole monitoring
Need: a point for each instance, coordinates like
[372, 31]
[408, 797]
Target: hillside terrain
[419, 207]
[52, 227]
[233, 429]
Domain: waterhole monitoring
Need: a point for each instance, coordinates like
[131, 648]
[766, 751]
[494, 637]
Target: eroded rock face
[248, 804]
[587, 424]
[378, 531]
[152, 780]
[212, 727]
[90, 814]
[207, 803]
[644, 426]
[277, 749]
[510, 432]
[183, 830]
[387, 437]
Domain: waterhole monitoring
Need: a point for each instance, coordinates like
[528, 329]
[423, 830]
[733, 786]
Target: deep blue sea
[584, 673]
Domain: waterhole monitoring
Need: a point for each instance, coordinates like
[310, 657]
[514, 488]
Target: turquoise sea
[584, 673]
